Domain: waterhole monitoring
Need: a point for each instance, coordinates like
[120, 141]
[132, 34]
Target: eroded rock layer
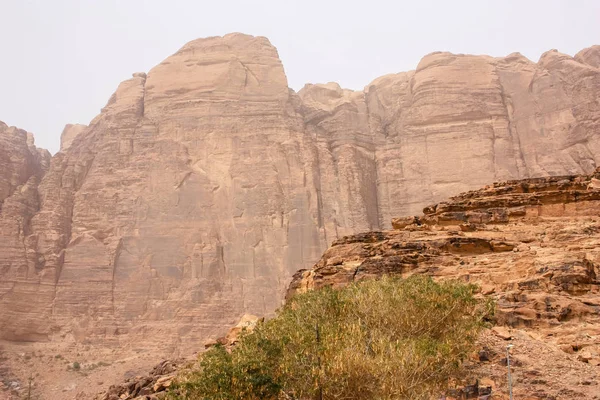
[533, 245]
[203, 185]
[22, 166]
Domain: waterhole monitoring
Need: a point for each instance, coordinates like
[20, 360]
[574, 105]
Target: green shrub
[76, 366]
[379, 339]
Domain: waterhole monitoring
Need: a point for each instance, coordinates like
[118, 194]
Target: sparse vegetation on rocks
[386, 339]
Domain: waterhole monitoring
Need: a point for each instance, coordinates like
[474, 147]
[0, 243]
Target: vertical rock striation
[204, 185]
[22, 166]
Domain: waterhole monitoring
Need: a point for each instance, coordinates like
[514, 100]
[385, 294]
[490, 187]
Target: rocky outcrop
[69, 134]
[20, 160]
[532, 245]
[156, 384]
[205, 184]
[22, 166]
[152, 386]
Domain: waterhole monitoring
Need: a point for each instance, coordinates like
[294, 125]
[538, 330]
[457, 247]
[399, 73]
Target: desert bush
[380, 339]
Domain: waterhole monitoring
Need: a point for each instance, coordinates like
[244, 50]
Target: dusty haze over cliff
[205, 184]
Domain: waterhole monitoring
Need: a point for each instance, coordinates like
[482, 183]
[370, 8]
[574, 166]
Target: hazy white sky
[62, 59]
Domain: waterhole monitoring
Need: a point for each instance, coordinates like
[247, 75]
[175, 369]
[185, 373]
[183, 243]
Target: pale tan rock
[204, 184]
[502, 332]
[19, 159]
[163, 382]
[247, 324]
[546, 297]
[589, 56]
[69, 134]
[190, 198]
[22, 166]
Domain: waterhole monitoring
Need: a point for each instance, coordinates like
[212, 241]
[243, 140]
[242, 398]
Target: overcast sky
[62, 59]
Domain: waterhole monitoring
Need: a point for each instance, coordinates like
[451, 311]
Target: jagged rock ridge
[205, 184]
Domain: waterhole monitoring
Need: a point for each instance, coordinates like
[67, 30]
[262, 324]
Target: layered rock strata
[22, 166]
[203, 185]
[533, 245]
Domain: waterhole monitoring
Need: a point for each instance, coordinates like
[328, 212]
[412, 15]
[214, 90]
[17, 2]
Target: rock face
[69, 134]
[22, 166]
[145, 387]
[533, 245]
[204, 185]
[20, 161]
[155, 384]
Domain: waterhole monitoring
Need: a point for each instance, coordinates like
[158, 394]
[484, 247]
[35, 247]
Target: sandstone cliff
[69, 134]
[533, 245]
[530, 244]
[203, 185]
[22, 166]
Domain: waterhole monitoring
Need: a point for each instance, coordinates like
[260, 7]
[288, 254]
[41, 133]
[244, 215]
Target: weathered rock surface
[147, 387]
[20, 160]
[154, 385]
[533, 245]
[69, 134]
[205, 184]
[22, 166]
